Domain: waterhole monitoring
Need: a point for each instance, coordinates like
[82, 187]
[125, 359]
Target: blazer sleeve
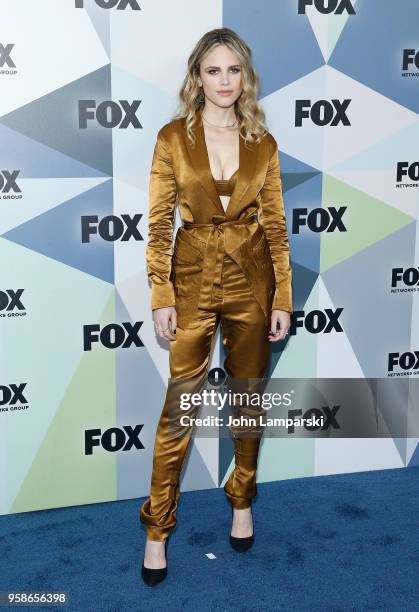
[162, 204]
[273, 220]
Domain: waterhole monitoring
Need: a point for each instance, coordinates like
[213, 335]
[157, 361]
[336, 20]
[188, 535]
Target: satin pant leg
[245, 340]
[188, 359]
[245, 337]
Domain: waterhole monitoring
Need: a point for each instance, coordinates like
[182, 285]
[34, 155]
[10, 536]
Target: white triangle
[49, 51]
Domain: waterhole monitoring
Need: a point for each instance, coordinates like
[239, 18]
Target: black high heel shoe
[153, 576]
[242, 545]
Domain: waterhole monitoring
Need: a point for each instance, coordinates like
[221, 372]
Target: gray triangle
[53, 121]
[101, 22]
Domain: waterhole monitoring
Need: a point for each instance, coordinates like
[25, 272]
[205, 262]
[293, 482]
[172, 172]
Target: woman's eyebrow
[232, 66]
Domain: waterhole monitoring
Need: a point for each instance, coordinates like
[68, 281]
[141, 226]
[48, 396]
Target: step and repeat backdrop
[85, 86]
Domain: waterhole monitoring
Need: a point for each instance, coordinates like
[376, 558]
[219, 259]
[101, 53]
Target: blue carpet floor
[338, 543]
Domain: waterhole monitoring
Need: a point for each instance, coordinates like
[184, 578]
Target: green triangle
[335, 26]
[366, 219]
[290, 364]
[281, 458]
[61, 474]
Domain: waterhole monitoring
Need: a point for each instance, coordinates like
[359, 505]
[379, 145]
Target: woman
[218, 158]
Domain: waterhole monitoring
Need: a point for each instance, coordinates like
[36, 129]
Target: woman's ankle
[154, 554]
[242, 526]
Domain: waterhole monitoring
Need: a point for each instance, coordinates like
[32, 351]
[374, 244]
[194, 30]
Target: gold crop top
[226, 186]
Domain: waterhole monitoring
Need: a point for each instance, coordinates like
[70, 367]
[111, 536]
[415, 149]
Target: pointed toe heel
[242, 545]
[151, 577]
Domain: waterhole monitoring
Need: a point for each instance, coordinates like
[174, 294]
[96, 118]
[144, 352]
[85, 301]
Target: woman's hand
[165, 322]
[284, 319]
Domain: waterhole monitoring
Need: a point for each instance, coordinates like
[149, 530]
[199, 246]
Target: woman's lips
[224, 93]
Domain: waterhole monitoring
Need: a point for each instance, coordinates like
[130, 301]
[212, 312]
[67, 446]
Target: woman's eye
[213, 70]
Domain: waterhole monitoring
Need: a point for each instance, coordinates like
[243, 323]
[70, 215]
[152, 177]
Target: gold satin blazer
[252, 230]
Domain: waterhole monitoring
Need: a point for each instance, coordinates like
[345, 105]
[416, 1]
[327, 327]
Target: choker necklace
[219, 126]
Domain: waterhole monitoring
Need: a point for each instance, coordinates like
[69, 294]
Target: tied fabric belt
[214, 254]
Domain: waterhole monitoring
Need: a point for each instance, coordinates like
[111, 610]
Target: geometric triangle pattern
[78, 125]
[53, 233]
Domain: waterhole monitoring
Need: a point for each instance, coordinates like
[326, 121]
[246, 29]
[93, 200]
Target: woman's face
[220, 75]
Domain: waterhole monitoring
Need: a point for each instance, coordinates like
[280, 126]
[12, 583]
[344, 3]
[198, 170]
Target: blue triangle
[57, 233]
[393, 26]
[275, 33]
[414, 459]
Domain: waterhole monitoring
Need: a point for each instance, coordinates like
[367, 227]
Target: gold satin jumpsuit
[245, 337]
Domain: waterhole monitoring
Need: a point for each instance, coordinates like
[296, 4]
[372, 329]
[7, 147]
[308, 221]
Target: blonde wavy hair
[250, 115]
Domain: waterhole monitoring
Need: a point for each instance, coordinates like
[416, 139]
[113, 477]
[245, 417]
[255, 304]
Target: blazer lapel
[200, 162]
[245, 176]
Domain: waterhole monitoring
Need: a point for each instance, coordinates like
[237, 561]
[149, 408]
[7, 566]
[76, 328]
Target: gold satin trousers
[244, 329]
